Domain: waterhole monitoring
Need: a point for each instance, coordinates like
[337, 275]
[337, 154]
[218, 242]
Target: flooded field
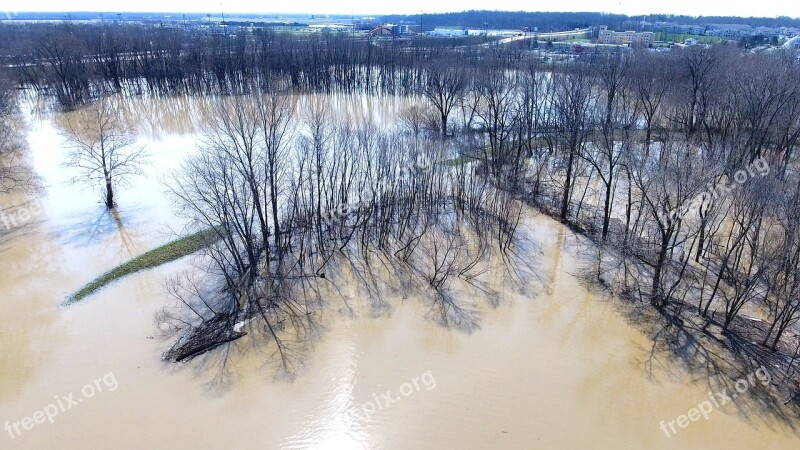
[558, 367]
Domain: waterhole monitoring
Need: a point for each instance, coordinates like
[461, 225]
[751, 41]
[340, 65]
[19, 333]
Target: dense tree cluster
[671, 162]
[682, 162]
[76, 63]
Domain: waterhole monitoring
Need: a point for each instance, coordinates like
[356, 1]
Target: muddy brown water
[559, 369]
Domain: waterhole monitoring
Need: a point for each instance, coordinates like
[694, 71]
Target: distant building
[630, 38]
[399, 30]
[381, 31]
[729, 30]
[390, 30]
[690, 41]
[793, 43]
[448, 32]
[692, 29]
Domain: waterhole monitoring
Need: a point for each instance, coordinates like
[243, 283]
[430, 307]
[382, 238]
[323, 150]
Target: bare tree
[62, 52]
[572, 102]
[783, 297]
[498, 115]
[667, 185]
[444, 88]
[14, 173]
[650, 85]
[102, 147]
[619, 116]
[275, 112]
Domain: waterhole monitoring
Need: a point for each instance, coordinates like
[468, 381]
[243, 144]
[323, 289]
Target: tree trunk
[702, 240]
[655, 290]
[607, 209]
[567, 186]
[109, 195]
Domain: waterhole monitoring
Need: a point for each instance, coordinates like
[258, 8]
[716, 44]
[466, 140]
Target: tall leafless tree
[101, 147]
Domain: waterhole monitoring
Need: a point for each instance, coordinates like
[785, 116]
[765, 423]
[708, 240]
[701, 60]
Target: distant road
[555, 36]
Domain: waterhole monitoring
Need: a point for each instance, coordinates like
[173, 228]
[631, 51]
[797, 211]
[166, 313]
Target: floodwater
[558, 369]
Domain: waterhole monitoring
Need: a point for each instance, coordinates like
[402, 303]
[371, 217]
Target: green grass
[166, 253]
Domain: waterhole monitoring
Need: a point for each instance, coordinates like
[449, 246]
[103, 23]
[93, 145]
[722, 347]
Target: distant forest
[547, 21]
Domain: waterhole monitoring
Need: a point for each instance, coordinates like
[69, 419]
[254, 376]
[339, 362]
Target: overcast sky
[769, 8]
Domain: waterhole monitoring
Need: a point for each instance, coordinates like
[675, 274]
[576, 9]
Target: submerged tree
[444, 89]
[572, 101]
[102, 147]
[15, 175]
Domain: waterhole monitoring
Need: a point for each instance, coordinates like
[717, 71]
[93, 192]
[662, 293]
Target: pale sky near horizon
[768, 8]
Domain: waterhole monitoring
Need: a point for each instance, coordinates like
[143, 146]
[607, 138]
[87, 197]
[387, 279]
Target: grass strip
[166, 253]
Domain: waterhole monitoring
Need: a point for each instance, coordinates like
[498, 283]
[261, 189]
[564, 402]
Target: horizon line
[397, 14]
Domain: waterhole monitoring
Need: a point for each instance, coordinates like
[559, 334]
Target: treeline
[77, 63]
[545, 21]
[774, 22]
[559, 21]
